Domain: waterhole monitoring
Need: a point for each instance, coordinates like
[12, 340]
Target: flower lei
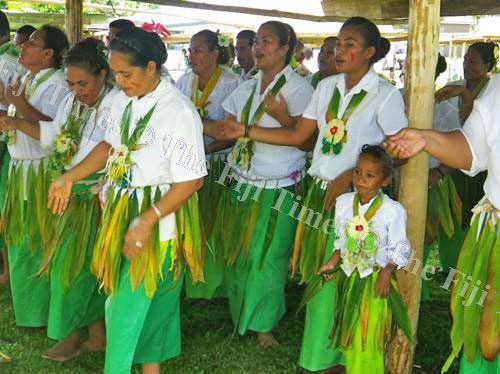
[67, 143]
[362, 240]
[119, 161]
[243, 150]
[200, 101]
[335, 135]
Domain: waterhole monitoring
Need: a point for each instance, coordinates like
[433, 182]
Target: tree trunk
[423, 42]
[74, 20]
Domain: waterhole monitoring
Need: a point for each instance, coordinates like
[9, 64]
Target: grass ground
[210, 346]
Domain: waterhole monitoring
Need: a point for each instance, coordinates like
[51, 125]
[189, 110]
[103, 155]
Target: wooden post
[423, 44]
[74, 20]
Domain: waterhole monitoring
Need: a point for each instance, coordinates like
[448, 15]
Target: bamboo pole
[423, 43]
[74, 20]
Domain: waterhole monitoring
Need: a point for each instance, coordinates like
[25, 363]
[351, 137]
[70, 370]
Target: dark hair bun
[88, 54]
[55, 39]
[384, 48]
[141, 46]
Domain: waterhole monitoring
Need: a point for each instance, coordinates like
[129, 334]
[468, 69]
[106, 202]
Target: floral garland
[67, 143]
[243, 150]
[335, 135]
[362, 240]
[119, 161]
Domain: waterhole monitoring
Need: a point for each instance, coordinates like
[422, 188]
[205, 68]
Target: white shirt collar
[156, 94]
[369, 202]
[42, 72]
[369, 83]
[287, 72]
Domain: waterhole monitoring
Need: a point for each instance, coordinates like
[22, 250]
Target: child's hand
[329, 266]
[384, 281]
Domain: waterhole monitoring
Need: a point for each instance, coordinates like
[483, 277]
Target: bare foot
[97, 338]
[339, 369]
[266, 340]
[92, 346]
[150, 368]
[65, 350]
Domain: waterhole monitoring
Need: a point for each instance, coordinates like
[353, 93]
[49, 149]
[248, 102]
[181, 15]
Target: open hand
[138, 236]
[59, 195]
[405, 144]
[329, 266]
[14, 94]
[230, 130]
[383, 285]
[8, 123]
[275, 107]
[447, 92]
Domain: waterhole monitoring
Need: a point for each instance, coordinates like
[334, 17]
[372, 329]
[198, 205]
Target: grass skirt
[75, 301]
[28, 181]
[475, 313]
[364, 323]
[256, 236]
[25, 224]
[122, 206]
[213, 271]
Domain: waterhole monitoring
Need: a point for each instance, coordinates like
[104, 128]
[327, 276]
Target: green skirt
[25, 227]
[476, 326]
[213, 271]
[364, 322]
[479, 366]
[140, 329]
[256, 236]
[4, 174]
[317, 352]
[30, 293]
[75, 300]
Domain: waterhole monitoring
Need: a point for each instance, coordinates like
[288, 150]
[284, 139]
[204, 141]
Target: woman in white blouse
[25, 225]
[153, 167]
[256, 238]
[208, 84]
[370, 109]
[473, 149]
[78, 127]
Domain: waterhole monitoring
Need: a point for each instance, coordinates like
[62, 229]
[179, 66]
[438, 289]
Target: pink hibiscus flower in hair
[157, 28]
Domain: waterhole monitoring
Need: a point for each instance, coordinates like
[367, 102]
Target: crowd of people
[122, 190]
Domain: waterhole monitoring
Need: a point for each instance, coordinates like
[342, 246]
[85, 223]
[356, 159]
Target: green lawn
[209, 345]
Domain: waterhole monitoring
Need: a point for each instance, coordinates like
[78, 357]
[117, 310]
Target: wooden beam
[399, 9]
[423, 39]
[274, 13]
[74, 20]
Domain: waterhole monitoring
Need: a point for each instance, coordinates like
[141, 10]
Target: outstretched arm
[292, 136]
[450, 148]
[60, 189]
